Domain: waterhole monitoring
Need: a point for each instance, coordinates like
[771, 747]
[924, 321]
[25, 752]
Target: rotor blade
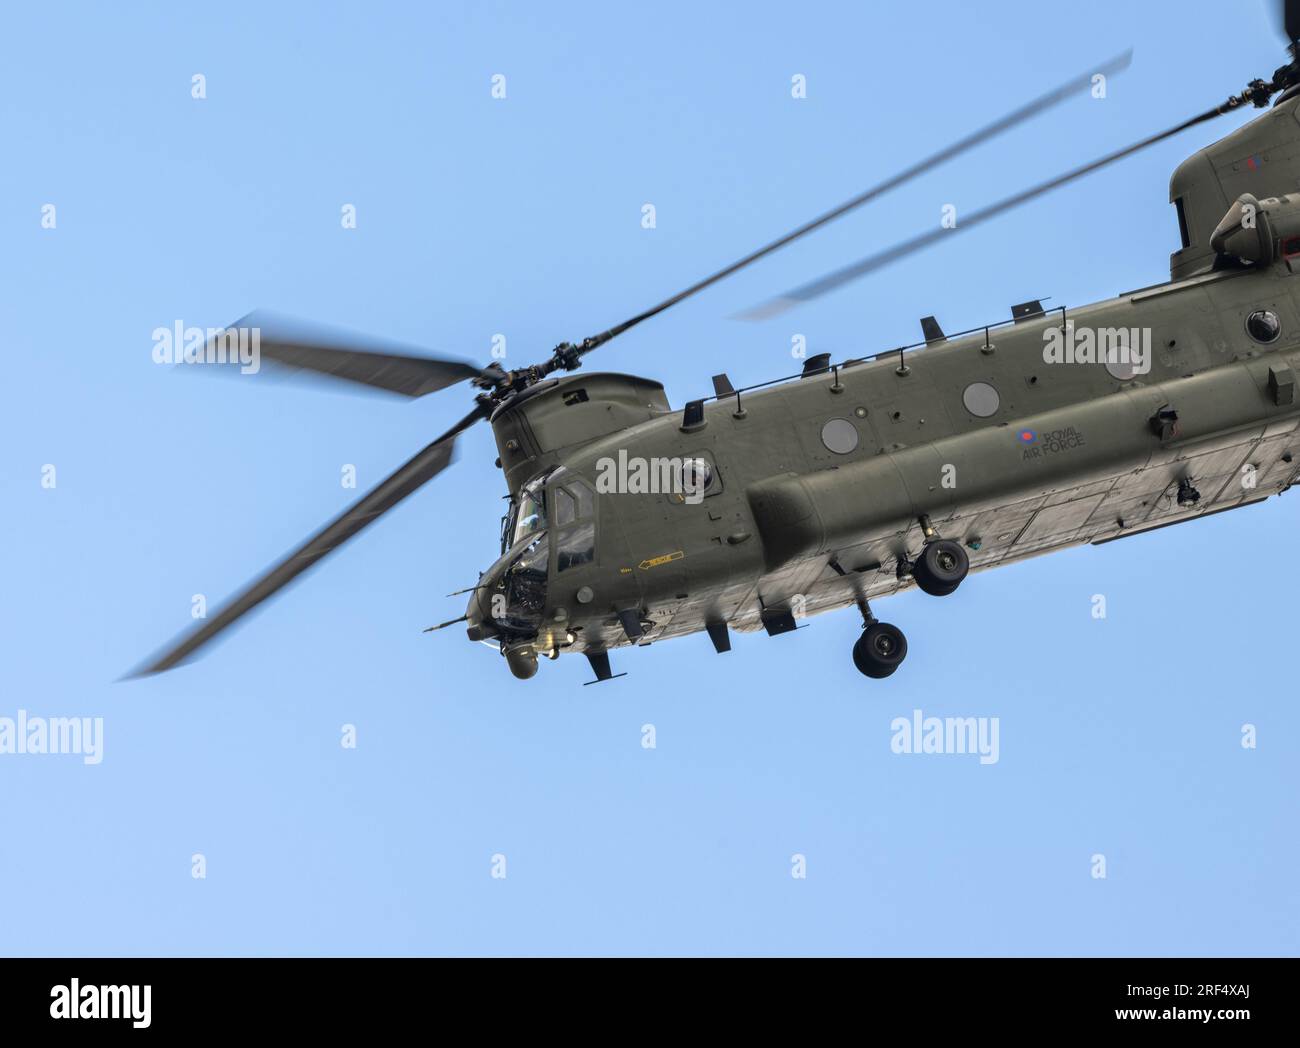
[1291, 19]
[840, 277]
[420, 469]
[293, 345]
[1042, 102]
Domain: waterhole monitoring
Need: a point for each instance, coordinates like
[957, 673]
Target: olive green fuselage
[1071, 455]
[823, 486]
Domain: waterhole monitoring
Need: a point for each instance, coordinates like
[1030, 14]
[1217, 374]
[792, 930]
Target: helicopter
[630, 521]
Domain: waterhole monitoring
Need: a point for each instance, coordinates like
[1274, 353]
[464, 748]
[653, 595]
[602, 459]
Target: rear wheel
[880, 650]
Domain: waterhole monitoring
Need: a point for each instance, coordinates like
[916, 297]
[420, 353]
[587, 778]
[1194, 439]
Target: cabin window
[981, 400]
[1263, 325]
[696, 476]
[1122, 369]
[690, 479]
[840, 436]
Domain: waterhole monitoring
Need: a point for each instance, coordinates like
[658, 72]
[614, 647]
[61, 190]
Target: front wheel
[941, 567]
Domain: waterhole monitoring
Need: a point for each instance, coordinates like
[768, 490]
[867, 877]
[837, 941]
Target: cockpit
[572, 511]
[527, 515]
[549, 528]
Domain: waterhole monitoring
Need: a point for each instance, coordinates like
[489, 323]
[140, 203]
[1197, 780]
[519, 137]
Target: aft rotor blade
[293, 345]
[420, 469]
[840, 277]
[1029, 109]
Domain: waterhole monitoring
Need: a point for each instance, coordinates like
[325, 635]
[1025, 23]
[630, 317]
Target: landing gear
[940, 567]
[880, 650]
[882, 647]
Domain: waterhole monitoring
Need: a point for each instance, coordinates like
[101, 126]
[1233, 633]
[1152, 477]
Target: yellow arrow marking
[654, 562]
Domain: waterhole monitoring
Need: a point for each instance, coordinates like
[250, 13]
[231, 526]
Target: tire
[941, 567]
[880, 650]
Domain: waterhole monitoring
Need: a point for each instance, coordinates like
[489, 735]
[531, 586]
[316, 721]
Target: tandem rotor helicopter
[831, 488]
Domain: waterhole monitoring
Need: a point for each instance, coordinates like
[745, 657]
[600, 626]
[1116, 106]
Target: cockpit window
[571, 503]
[574, 506]
[575, 546]
[572, 511]
[525, 589]
[531, 514]
[585, 502]
[566, 510]
[533, 559]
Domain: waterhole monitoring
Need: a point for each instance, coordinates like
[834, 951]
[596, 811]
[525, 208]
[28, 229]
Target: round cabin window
[981, 399]
[840, 436]
[1122, 357]
[697, 475]
[1263, 325]
[1122, 370]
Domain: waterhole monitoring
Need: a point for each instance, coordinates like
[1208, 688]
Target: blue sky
[522, 217]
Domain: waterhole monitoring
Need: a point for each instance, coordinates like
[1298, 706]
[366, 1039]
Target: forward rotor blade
[1032, 108]
[1291, 19]
[293, 345]
[840, 277]
[420, 469]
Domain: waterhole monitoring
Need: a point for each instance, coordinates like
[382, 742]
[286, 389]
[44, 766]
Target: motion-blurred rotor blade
[1291, 19]
[828, 283]
[921, 165]
[417, 471]
[293, 345]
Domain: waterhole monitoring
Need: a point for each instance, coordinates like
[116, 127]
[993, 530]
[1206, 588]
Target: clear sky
[479, 216]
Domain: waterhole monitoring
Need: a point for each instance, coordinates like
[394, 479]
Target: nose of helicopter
[511, 595]
[478, 613]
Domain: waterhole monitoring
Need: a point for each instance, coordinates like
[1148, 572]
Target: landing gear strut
[882, 647]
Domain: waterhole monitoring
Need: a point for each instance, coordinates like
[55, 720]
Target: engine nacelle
[1259, 231]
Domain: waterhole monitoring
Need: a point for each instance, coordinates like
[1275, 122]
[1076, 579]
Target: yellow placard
[654, 562]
